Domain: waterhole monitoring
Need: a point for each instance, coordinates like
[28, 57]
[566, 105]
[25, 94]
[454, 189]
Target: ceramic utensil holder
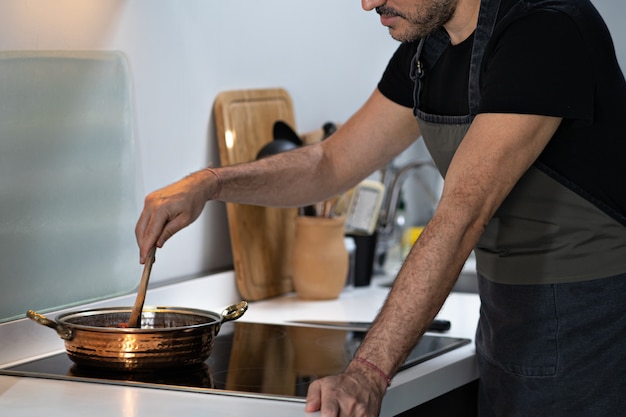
[319, 259]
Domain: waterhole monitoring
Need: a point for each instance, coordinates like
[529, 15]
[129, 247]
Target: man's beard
[423, 21]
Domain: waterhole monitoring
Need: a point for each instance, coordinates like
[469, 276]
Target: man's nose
[368, 5]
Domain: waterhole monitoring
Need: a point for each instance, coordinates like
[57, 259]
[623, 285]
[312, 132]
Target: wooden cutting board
[261, 237]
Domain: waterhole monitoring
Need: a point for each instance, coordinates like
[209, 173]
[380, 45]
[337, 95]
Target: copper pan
[168, 336]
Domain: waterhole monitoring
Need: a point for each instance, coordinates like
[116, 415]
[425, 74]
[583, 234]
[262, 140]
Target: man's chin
[400, 36]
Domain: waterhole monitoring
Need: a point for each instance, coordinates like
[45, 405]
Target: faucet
[393, 177]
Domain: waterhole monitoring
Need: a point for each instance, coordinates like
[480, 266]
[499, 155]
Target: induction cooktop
[248, 359]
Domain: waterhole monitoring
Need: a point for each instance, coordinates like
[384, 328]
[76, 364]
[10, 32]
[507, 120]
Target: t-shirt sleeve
[396, 83]
[537, 66]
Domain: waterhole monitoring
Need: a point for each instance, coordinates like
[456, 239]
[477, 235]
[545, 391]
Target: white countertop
[22, 340]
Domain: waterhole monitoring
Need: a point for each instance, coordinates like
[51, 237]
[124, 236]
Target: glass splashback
[68, 180]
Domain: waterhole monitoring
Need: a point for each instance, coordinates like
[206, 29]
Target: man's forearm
[290, 179]
[419, 291]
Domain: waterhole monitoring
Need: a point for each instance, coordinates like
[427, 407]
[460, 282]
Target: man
[520, 103]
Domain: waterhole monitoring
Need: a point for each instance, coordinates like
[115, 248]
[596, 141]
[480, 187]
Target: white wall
[328, 54]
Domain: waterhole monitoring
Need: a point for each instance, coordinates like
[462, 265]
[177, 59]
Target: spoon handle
[135, 315]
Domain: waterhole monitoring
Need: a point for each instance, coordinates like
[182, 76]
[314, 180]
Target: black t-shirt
[546, 60]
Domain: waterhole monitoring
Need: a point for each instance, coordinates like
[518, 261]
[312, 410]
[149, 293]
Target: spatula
[135, 315]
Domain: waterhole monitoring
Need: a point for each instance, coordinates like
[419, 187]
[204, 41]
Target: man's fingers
[153, 228]
[313, 397]
[141, 235]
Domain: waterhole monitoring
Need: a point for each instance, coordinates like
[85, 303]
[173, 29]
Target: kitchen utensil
[329, 128]
[437, 325]
[169, 336]
[275, 147]
[135, 315]
[261, 237]
[282, 130]
[364, 207]
[285, 139]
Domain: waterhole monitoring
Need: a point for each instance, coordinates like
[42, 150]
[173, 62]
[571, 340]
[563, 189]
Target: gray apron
[544, 236]
[543, 232]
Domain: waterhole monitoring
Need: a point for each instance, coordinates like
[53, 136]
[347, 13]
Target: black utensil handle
[438, 325]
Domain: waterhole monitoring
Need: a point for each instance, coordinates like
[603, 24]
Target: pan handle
[234, 311]
[62, 331]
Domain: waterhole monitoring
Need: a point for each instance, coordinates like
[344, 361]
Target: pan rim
[215, 319]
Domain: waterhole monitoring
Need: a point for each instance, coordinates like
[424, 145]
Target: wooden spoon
[135, 315]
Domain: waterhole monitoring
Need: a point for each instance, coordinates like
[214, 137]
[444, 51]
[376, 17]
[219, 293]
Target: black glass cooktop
[249, 359]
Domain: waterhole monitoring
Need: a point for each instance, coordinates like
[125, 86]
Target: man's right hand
[168, 210]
